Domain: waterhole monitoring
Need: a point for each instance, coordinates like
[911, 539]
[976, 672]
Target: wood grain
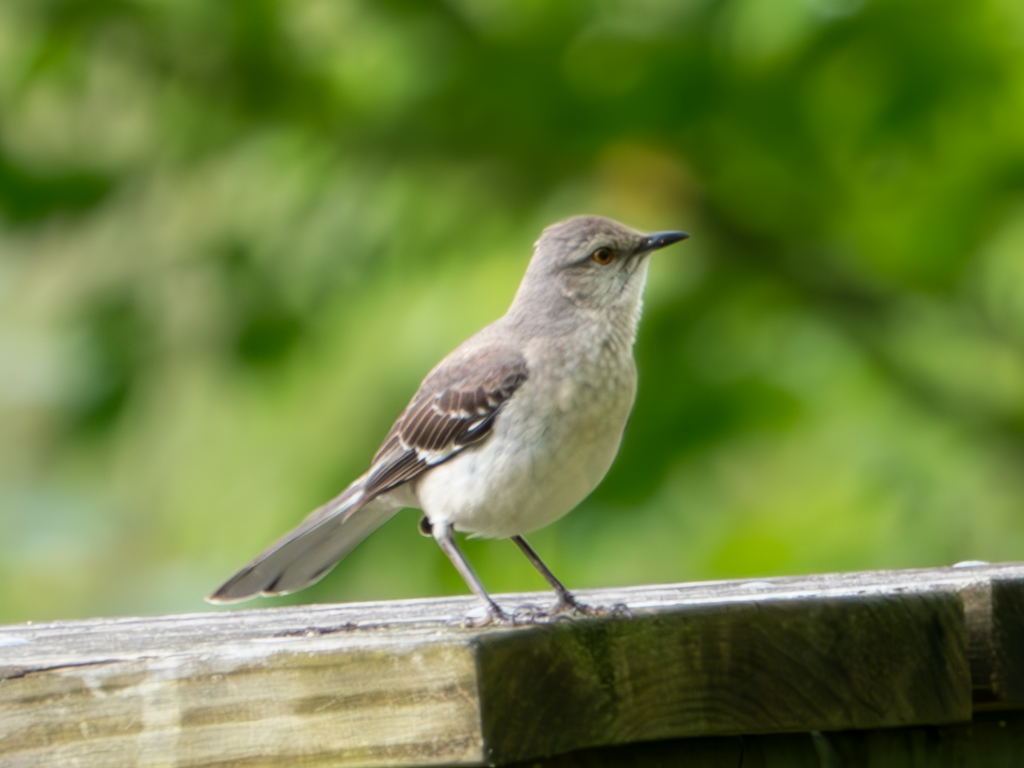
[754, 667]
[401, 683]
[991, 740]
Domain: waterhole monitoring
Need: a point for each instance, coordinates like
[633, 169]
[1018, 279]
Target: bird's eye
[603, 255]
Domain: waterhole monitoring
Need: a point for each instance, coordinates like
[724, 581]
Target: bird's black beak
[660, 240]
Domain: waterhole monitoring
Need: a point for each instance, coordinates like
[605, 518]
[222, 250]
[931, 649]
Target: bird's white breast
[552, 444]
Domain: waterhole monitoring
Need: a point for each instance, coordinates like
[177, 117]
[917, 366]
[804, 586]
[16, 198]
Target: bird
[509, 432]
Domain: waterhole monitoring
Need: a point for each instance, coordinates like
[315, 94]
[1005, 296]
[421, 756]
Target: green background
[234, 236]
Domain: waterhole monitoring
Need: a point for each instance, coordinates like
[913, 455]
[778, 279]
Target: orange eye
[603, 255]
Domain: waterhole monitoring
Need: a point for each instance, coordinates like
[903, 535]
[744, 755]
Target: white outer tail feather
[306, 554]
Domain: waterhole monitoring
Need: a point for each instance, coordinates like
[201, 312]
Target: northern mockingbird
[510, 431]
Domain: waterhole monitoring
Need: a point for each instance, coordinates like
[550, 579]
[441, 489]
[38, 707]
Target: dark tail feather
[306, 554]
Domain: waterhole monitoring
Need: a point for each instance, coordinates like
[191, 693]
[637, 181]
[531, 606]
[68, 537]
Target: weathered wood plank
[318, 702]
[991, 740]
[1006, 648]
[399, 684]
[755, 667]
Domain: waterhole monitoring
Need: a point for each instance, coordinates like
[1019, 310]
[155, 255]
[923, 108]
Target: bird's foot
[568, 607]
[530, 614]
[491, 616]
[524, 615]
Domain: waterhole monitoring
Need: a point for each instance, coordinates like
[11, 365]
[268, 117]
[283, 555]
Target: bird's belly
[537, 466]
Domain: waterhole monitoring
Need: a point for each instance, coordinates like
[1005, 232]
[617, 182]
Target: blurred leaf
[28, 196]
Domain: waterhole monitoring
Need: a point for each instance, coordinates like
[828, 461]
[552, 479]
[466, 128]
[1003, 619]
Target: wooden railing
[921, 667]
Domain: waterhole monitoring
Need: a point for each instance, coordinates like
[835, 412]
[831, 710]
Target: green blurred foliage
[235, 235]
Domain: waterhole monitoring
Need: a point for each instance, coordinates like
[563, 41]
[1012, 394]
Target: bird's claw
[569, 607]
[494, 616]
[526, 614]
[566, 609]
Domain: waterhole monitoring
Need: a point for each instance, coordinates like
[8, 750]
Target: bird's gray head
[592, 262]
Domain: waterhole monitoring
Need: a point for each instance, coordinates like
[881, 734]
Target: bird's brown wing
[455, 407]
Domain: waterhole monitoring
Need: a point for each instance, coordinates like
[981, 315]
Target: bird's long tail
[306, 554]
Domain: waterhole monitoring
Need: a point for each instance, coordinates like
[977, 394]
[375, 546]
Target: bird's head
[595, 262]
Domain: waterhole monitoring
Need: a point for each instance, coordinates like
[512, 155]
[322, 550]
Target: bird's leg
[445, 539]
[566, 602]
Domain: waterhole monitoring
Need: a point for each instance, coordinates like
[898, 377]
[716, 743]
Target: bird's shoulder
[455, 406]
[485, 368]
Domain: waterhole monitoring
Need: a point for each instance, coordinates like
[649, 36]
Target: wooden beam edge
[205, 653]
